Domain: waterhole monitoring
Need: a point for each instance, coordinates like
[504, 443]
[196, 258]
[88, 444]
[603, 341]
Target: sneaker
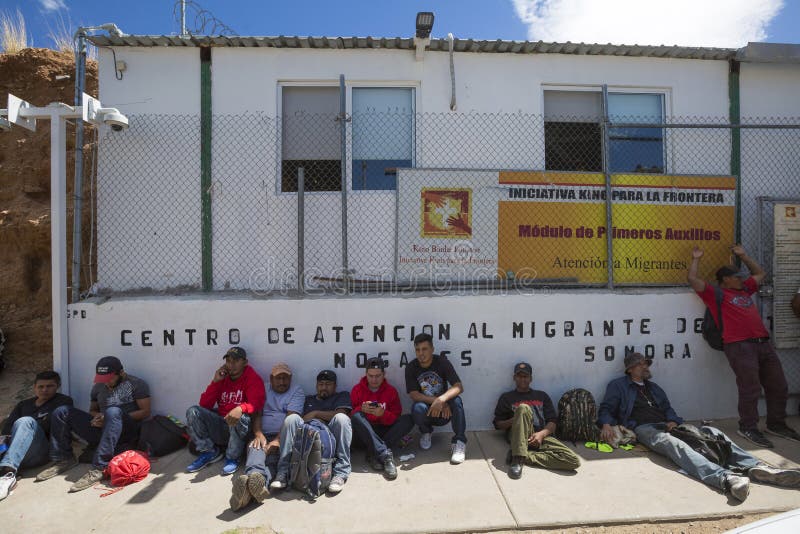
[257, 486]
[783, 431]
[459, 452]
[279, 483]
[337, 484]
[515, 471]
[88, 480]
[205, 458]
[425, 441]
[230, 466]
[389, 469]
[787, 478]
[375, 463]
[7, 484]
[56, 469]
[240, 495]
[755, 435]
[738, 486]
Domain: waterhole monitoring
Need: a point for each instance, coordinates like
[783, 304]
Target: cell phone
[374, 404]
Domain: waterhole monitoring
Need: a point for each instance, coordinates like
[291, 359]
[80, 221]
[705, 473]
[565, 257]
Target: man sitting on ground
[376, 418]
[529, 419]
[28, 427]
[641, 405]
[436, 403]
[270, 443]
[238, 393]
[119, 402]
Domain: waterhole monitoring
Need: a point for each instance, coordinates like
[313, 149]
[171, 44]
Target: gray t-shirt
[277, 405]
[124, 394]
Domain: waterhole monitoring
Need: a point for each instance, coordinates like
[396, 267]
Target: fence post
[343, 141]
[605, 153]
[301, 259]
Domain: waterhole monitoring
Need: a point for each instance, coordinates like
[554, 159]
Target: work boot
[515, 471]
[257, 486]
[57, 468]
[240, 494]
[88, 480]
[755, 435]
[389, 469]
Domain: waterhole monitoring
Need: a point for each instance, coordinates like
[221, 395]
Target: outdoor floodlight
[424, 24]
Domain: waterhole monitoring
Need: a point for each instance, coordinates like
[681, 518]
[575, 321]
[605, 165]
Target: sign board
[786, 275]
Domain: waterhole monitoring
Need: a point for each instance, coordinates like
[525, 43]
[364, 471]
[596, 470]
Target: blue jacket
[617, 404]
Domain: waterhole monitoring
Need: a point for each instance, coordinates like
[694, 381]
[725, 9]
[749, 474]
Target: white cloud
[718, 23]
[52, 5]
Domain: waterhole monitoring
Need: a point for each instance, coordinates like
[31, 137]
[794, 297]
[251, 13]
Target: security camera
[116, 120]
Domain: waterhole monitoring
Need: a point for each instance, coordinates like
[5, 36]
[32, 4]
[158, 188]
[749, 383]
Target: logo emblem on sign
[446, 213]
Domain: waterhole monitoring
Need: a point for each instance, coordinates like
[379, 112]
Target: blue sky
[727, 23]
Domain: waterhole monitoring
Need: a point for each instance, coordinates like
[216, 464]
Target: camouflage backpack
[577, 413]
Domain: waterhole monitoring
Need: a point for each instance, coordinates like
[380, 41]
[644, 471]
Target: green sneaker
[88, 480]
[56, 469]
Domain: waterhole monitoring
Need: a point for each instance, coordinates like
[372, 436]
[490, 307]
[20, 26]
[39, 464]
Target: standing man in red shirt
[238, 393]
[747, 346]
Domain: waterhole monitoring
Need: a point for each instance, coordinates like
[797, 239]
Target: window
[573, 138]
[310, 138]
[383, 135]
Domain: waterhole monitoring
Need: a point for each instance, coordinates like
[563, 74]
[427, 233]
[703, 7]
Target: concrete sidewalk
[430, 495]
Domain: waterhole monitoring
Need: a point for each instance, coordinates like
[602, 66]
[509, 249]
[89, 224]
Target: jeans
[551, 454]
[655, 437]
[380, 439]
[29, 445]
[291, 424]
[756, 365]
[118, 428]
[419, 411]
[258, 461]
[342, 430]
[209, 429]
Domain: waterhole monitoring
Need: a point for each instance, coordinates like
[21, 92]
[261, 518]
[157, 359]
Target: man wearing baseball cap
[639, 404]
[745, 341]
[529, 419]
[118, 403]
[237, 392]
[272, 442]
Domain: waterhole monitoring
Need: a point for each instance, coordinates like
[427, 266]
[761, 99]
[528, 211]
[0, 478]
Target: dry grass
[61, 35]
[13, 35]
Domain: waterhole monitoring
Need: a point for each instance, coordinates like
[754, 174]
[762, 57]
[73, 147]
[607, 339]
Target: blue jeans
[208, 429]
[118, 428]
[290, 426]
[380, 439]
[258, 461]
[340, 428]
[419, 411]
[655, 437]
[29, 445]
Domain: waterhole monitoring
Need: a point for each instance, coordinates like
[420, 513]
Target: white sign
[786, 275]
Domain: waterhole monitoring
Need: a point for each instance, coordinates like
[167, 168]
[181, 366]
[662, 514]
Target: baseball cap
[727, 270]
[281, 369]
[375, 363]
[523, 367]
[106, 369]
[327, 375]
[236, 352]
[635, 358]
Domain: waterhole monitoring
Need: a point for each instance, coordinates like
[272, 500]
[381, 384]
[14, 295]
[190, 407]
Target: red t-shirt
[740, 317]
[246, 391]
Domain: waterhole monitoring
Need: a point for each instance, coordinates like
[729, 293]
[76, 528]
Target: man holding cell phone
[376, 417]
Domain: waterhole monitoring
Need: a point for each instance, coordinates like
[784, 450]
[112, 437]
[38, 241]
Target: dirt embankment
[39, 76]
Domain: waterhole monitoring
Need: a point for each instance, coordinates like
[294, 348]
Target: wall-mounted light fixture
[422, 38]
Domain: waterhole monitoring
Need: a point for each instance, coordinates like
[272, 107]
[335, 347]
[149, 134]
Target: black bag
[577, 413]
[712, 332]
[161, 435]
[715, 448]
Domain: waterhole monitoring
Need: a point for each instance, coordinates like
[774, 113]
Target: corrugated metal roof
[436, 45]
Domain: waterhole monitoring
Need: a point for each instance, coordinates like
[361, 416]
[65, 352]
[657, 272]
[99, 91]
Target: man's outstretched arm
[697, 283]
[756, 271]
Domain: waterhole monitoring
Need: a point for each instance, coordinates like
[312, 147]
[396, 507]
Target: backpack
[312, 458]
[715, 448]
[162, 435]
[126, 468]
[577, 413]
[712, 332]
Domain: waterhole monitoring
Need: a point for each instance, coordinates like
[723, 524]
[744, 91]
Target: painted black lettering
[233, 336]
[123, 339]
[190, 332]
[169, 337]
[588, 330]
[466, 359]
[338, 360]
[589, 353]
[517, 330]
[569, 327]
[273, 336]
[379, 333]
[686, 352]
[395, 334]
[649, 351]
[211, 337]
[485, 333]
[338, 330]
[319, 337]
[357, 334]
[608, 328]
[146, 338]
[361, 360]
[444, 332]
[644, 326]
[473, 331]
[668, 350]
[609, 353]
[403, 360]
[287, 335]
[681, 326]
[628, 323]
[550, 328]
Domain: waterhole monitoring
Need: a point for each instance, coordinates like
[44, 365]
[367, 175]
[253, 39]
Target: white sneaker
[7, 484]
[738, 486]
[336, 485]
[279, 483]
[459, 452]
[425, 441]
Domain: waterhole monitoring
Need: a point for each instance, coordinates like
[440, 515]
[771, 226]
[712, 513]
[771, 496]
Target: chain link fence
[430, 199]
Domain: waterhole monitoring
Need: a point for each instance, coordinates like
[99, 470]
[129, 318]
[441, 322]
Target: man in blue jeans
[28, 428]
[642, 406]
[435, 388]
[118, 403]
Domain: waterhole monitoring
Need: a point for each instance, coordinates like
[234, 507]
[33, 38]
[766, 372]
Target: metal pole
[183, 18]
[607, 174]
[301, 211]
[343, 142]
[77, 242]
[58, 246]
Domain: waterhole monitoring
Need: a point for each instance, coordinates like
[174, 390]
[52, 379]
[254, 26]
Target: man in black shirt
[639, 404]
[529, 419]
[28, 427]
[436, 403]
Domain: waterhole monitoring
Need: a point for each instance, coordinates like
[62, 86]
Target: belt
[757, 340]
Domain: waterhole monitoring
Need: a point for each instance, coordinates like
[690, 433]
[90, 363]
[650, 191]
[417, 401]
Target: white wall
[699, 386]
